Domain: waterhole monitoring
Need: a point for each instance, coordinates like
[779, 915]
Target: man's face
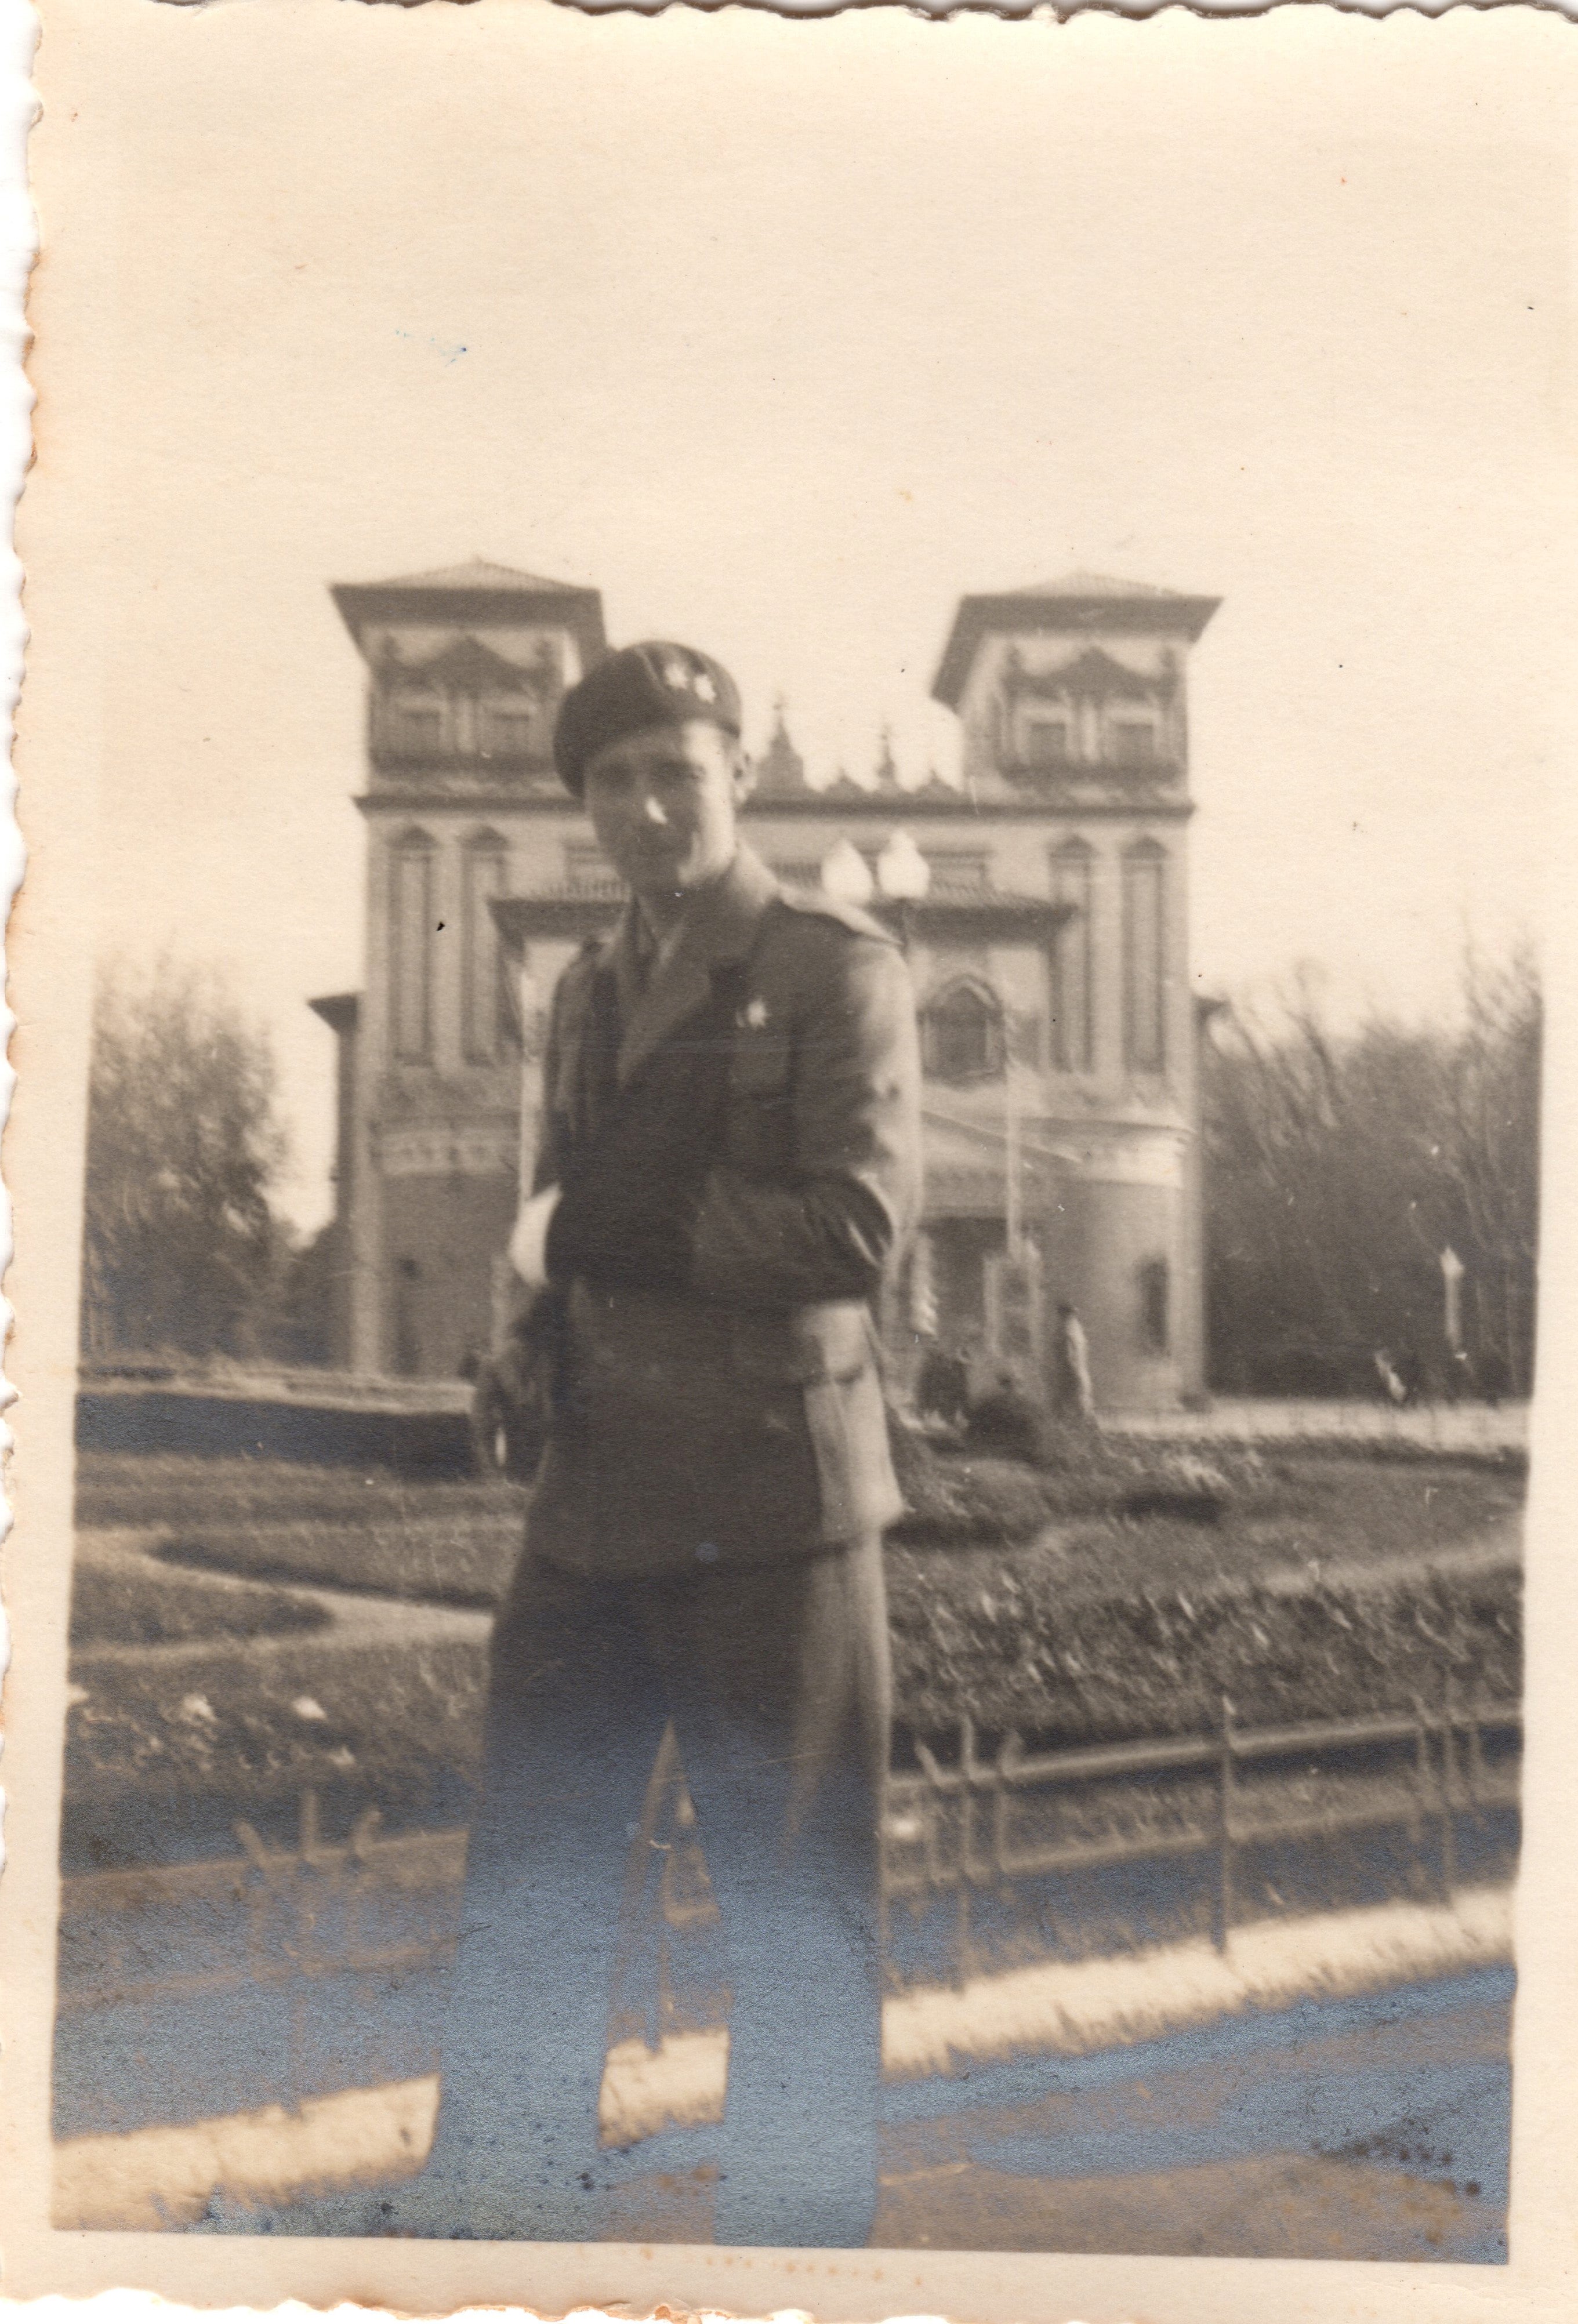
[662, 804]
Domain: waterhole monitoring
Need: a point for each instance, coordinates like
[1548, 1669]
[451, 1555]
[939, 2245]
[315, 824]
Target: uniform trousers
[776, 1677]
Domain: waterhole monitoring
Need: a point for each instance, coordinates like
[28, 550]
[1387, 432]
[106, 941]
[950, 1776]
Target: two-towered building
[1044, 901]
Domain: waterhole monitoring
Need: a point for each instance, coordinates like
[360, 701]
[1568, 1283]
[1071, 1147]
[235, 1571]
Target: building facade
[1044, 903]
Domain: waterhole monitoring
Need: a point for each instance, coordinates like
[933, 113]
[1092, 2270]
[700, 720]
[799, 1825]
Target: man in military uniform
[729, 1165]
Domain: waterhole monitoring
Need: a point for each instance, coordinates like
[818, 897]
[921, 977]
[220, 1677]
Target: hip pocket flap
[808, 1345]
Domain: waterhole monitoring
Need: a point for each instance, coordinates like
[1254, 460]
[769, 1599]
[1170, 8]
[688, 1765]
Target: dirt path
[1498, 1545]
[1291, 1421]
[356, 1618]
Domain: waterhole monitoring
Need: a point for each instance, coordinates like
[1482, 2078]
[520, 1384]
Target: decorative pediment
[466, 666]
[1092, 675]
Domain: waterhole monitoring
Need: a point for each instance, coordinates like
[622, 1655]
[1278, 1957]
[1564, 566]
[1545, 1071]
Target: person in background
[1074, 1398]
[1005, 1422]
[942, 1389]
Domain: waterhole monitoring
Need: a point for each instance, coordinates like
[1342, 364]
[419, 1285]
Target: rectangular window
[954, 873]
[419, 729]
[1073, 1025]
[410, 934]
[506, 731]
[1144, 972]
[1134, 742]
[1047, 740]
[481, 997]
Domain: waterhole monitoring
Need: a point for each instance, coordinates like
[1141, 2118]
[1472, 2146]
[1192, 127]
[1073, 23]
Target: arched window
[1144, 964]
[485, 1014]
[1073, 1019]
[962, 1036]
[410, 946]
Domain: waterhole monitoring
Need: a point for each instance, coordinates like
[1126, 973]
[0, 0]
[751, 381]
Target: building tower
[1072, 697]
[465, 669]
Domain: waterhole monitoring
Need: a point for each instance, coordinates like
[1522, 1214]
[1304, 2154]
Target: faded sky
[784, 336]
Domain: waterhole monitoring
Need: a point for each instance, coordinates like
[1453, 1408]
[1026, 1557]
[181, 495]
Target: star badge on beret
[677, 676]
[702, 687]
[754, 1014]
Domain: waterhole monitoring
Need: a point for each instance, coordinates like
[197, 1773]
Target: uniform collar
[718, 926]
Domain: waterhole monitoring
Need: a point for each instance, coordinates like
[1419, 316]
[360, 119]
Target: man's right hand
[529, 1242]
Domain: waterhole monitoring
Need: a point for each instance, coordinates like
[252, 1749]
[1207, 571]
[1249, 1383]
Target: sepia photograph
[795, 782]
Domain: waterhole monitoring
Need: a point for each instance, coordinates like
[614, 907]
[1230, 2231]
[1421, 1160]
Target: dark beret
[654, 684]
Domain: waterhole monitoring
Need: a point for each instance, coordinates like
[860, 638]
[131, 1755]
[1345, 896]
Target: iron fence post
[1224, 1898]
[1448, 1786]
[1473, 1710]
[964, 1944]
[1423, 1787]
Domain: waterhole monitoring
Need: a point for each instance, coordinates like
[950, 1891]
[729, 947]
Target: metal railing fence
[960, 1827]
[967, 1826]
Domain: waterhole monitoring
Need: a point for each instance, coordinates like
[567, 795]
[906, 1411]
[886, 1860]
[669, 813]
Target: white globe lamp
[903, 873]
[845, 876]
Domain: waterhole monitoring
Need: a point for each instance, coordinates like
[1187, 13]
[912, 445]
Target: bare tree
[1339, 1169]
[1493, 1139]
[180, 1249]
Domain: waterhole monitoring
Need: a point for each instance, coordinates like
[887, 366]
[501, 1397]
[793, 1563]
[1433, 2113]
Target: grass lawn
[180, 1489]
[120, 1598]
[456, 1543]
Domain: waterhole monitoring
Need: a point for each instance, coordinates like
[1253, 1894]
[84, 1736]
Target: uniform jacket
[737, 1142]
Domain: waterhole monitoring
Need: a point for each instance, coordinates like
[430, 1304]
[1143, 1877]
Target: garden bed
[399, 1725]
[1009, 1640]
[1027, 1641]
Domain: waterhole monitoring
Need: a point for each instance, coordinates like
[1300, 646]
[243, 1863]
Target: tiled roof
[1088, 585]
[1078, 601]
[478, 574]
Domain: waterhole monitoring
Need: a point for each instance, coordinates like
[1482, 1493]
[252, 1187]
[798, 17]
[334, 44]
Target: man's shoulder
[819, 949]
[809, 914]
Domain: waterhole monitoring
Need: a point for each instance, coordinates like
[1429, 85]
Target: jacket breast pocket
[760, 1137]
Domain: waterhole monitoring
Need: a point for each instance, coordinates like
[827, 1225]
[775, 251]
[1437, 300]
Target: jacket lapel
[720, 926]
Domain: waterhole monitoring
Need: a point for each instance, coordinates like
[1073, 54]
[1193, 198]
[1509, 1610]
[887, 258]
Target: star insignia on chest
[753, 1015]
